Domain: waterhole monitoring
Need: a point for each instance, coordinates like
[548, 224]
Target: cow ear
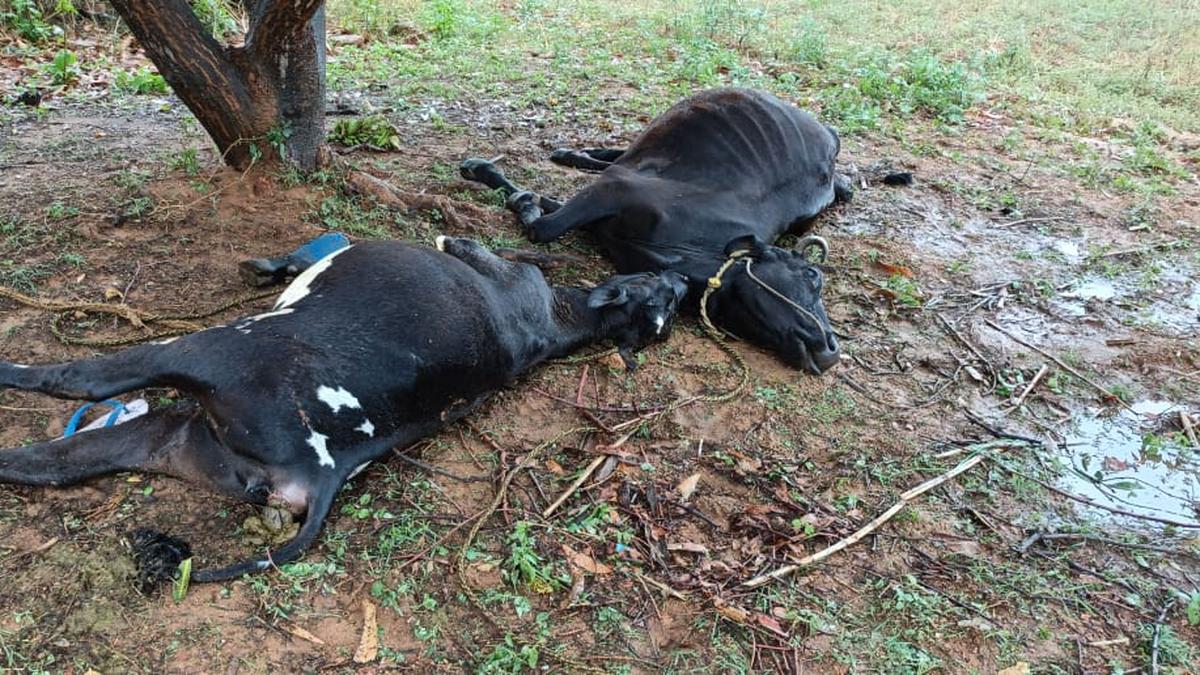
[678, 283]
[749, 243]
[606, 295]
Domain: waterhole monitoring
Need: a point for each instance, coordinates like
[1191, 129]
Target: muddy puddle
[1135, 460]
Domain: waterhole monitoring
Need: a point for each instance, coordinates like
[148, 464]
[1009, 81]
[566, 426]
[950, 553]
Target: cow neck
[576, 324]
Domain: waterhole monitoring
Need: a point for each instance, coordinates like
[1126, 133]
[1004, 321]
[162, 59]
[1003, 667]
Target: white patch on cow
[440, 242]
[301, 285]
[659, 322]
[18, 365]
[167, 341]
[262, 564]
[359, 469]
[367, 428]
[267, 315]
[317, 441]
[337, 398]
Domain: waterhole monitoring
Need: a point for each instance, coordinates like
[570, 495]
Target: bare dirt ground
[953, 293]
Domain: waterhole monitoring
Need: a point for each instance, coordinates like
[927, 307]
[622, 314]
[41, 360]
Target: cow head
[748, 302]
[638, 309]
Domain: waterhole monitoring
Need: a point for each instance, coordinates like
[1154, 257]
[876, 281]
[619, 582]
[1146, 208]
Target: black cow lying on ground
[369, 349]
[724, 171]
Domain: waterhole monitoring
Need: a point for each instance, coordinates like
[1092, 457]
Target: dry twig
[870, 527]
[1062, 365]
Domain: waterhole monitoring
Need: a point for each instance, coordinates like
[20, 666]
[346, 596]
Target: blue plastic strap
[73, 424]
[322, 246]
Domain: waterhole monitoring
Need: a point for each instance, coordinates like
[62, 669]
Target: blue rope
[117, 409]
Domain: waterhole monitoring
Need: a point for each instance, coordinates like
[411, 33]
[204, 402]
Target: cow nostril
[831, 342]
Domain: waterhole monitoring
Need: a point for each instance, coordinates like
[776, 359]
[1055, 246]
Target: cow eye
[812, 274]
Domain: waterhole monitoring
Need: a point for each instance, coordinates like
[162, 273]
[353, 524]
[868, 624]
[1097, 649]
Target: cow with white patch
[369, 349]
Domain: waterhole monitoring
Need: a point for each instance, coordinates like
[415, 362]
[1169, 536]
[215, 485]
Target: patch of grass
[349, 215]
[187, 161]
[27, 20]
[524, 566]
[63, 69]
[141, 81]
[374, 132]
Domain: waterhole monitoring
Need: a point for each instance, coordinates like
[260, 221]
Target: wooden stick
[1189, 428]
[595, 463]
[1033, 383]
[882, 518]
[1062, 365]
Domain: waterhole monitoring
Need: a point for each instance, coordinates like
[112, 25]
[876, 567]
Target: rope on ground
[173, 324]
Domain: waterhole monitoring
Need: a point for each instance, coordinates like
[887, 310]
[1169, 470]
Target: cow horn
[813, 240]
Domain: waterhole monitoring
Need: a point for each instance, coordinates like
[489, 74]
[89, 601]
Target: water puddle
[1093, 288]
[1135, 461]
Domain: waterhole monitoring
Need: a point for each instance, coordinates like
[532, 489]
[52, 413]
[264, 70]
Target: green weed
[141, 81]
[374, 132]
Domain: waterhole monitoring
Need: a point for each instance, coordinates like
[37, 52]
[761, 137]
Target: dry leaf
[1020, 668]
[585, 562]
[368, 645]
[304, 635]
[111, 293]
[687, 486]
[1115, 464]
[735, 614]
[771, 624]
[554, 467]
[746, 463]
[894, 269]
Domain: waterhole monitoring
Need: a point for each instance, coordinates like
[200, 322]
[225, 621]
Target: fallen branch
[1062, 365]
[583, 476]
[870, 527]
[1162, 616]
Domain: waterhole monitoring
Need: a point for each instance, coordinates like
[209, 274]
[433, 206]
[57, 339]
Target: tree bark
[265, 99]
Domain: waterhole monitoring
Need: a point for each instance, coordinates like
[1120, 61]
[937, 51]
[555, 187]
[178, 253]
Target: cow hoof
[260, 272]
[474, 169]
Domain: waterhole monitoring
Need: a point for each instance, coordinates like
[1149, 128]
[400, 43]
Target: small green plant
[525, 566]
[187, 161]
[374, 132]
[27, 20]
[904, 290]
[218, 16]
[141, 81]
[277, 138]
[64, 70]
[510, 658]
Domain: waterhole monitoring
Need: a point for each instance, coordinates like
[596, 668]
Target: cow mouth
[822, 358]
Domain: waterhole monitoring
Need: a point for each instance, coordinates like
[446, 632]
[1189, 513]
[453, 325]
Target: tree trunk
[265, 99]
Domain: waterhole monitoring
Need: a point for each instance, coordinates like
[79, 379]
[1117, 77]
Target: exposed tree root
[456, 214]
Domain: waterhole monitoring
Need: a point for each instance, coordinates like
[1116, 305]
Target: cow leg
[526, 204]
[474, 254]
[271, 271]
[587, 159]
[99, 378]
[176, 442]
